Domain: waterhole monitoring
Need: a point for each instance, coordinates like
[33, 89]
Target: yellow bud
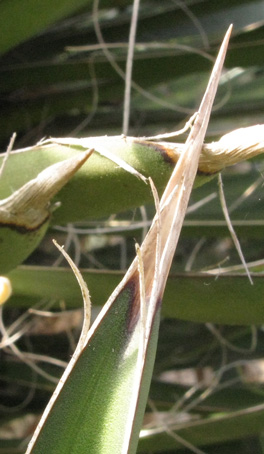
[5, 289]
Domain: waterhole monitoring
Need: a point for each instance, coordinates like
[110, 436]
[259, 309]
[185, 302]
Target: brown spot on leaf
[167, 152]
[23, 229]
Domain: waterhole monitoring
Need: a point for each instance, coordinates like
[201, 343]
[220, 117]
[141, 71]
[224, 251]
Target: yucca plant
[67, 81]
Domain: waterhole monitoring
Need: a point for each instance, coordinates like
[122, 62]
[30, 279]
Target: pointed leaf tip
[28, 206]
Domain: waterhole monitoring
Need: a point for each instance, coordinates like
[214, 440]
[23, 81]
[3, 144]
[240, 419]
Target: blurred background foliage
[62, 74]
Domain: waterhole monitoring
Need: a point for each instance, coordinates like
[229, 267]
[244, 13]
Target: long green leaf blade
[197, 297]
[108, 414]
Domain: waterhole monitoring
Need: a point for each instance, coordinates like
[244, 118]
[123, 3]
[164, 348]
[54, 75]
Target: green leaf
[30, 17]
[99, 402]
[198, 297]
[216, 429]
[25, 214]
